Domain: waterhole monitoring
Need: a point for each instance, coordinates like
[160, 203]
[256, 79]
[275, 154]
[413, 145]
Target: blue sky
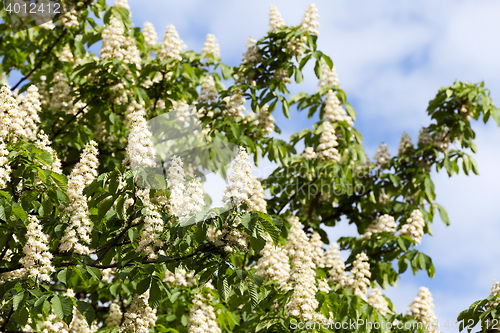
[391, 57]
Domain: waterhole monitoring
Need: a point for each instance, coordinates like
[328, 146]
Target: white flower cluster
[384, 223]
[414, 226]
[323, 285]
[329, 76]
[180, 278]
[422, 309]
[140, 149]
[82, 174]
[239, 189]
[309, 22]
[140, 316]
[51, 324]
[115, 315]
[378, 301]
[66, 54]
[150, 35]
[318, 254]
[334, 110]
[44, 143]
[382, 155]
[70, 19]
[440, 141]
[79, 324]
[332, 259]
[359, 279]
[251, 56]
[153, 225]
[202, 318]
[208, 92]
[30, 107]
[60, 95]
[234, 105]
[405, 144]
[257, 199]
[274, 264]
[113, 39]
[302, 279]
[172, 45]
[122, 4]
[265, 120]
[229, 237]
[309, 153]
[275, 20]
[495, 290]
[184, 200]
[296, 46]
[38, 259]
[5, 168]
[12, 118]
[211, 46]
[282, 75]
[327, 143]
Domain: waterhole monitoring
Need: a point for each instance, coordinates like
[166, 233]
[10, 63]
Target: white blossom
[251, 55]
[140, 316]
[414, 226]
[113, 40]
[122, 4]
[359, 279]
[309, 153]
[76, 235]
[405, 144]
[327, 143]
[115, 315]
[140, 149]
[30, 108]
[275, 20]
[329, 76]
[208, 92]
[334, 110]
[70, 19]
[234, 105]
[495, 290]
[12, 118]
[153, 225]
[239, 189]
[5, 168]
[180, 278]
[149, 32]
[422, 309]
[302, 279]
[318, 254]
[274, 264]
[257, 199]
[37, 260]
[309, 22]
[337, 274]
[43, 142]
[382, 155]
[211, 46]
[202, 318]
[378, 301]
[384, 223]
[172, 45]
[265, 120]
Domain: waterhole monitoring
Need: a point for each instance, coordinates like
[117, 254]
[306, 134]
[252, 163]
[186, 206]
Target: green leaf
[86, 310]
[286, 111]
[328, 61]
[154, 294]
[60, 180]
[254, 294]
[444, 215]
[18, 300]
[104, 208]
[19, 211]
[236, 130]
[143, 285]
[62, 275]
[94, 272]
[299, 78]
[223, 287]
[57, 306]
[317, 69]
[226, 71]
